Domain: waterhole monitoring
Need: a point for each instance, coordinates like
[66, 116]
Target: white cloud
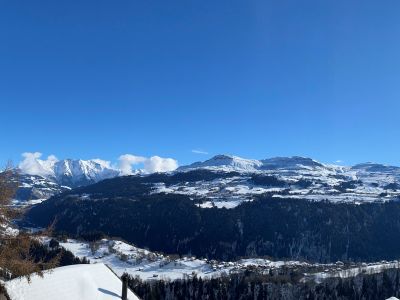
[150, 164]
[159, 164]
[197, 151]
[104, 163]
[52, 158]
[339, 161]
[33, 165]
[127, 161]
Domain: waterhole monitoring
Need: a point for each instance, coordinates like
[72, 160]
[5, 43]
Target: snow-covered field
[125, 258]
[96, 281]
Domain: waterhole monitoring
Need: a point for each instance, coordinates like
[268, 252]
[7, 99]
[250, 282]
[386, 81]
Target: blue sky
[87, 79]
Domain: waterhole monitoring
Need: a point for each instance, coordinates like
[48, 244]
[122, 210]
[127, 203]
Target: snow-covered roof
[79, 282]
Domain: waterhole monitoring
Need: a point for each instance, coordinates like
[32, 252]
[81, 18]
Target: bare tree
[8, 188]
[16, 257]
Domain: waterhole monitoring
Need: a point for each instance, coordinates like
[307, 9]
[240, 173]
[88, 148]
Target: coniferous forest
[174, 224]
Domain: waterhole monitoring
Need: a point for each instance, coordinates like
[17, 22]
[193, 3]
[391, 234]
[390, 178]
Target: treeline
[252, 286]
[43, 254]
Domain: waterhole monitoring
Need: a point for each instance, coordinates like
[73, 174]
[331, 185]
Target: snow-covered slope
[34, 189]
[126, 258]
[225, 163]
[78, 282]
[233, 163]
[72, 172]
[294, 162]
[81, 172]
[123, 258]
[51, 177]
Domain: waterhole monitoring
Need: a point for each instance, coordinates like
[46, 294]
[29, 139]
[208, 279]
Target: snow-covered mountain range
[50, 177]
[72, 172]
[288, 177]
[237, 179]
[230, 163]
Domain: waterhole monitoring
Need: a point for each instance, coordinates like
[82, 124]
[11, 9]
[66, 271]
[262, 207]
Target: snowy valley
[284, 219]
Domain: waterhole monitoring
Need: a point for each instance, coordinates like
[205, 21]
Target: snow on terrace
[88, 282]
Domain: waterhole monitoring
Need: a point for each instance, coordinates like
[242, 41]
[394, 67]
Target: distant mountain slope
[225, 163]
[34, 189]
[74, 172]
[58, 176]
[236, 163]
[289, 177]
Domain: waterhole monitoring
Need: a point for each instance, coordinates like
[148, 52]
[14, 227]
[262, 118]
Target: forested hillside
[280, 228]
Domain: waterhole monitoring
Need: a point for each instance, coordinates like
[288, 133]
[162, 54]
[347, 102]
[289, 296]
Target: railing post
[124, 287]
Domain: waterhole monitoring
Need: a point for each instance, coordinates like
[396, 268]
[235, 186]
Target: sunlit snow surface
[7, 230]
[364, 268]
[78, 282]
[122, 257]
[22, 203]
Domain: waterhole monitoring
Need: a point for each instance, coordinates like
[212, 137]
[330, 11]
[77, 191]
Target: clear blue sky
[86, 79]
